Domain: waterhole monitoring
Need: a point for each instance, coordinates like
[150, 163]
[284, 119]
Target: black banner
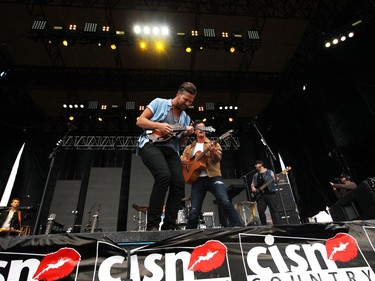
[316, 252]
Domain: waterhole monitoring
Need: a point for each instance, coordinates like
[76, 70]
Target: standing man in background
[268, 196]
[166, 125]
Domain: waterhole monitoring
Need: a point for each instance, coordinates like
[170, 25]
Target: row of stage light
[146, 37]
[130, 109]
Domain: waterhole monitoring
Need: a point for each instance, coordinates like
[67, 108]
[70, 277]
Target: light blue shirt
[160, 108]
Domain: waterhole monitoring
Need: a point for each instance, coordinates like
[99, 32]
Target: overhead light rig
[141, 36]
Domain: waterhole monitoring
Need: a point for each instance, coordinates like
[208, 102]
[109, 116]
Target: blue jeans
[165, 166]
[216, 186]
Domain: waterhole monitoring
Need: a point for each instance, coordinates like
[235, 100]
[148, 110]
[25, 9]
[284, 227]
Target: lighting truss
[90, 35]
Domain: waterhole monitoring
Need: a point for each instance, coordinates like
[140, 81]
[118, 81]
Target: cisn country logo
[301, 258]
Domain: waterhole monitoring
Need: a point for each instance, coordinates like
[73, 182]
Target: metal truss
[127, 142]
[302, 9]
[43, 77]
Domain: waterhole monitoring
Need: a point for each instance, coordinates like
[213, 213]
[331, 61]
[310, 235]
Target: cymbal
[185, 199]
[140, 208]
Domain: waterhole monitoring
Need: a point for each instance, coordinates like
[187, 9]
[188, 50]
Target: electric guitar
[197, 163]
[157, 136]
[255, 196]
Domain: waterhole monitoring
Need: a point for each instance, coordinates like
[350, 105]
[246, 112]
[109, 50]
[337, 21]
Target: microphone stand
[52, 156]
[244, 177]
[272, 157]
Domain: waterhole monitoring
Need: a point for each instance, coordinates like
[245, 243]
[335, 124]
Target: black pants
[268, 199]
[165, 166]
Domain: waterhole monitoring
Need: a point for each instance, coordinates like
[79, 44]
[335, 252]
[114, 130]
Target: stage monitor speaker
[357, 205]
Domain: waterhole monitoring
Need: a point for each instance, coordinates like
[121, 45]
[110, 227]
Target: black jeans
[268, 199]
[165, 165]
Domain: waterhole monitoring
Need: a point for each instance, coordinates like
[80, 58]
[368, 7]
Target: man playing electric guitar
[268, 197]
[208, 177]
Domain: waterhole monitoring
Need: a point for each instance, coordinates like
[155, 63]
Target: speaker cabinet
[284, 195]
[289, 217]
[357, 205]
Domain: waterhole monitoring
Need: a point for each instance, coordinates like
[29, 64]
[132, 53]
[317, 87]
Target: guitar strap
[19, 219]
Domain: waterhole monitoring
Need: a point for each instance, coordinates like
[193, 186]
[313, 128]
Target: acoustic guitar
[255, 196]
[197, 163]
[157, 136]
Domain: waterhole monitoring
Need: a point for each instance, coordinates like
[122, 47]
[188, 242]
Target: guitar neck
[200, 156]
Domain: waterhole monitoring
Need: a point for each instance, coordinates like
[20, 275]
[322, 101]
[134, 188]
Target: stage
[316, 251]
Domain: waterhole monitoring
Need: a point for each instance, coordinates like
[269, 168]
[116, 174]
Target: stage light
[72, 27]
[230, 119]
[58, 27]
[343, 38]
[327, 44]
[209, 32]
[235, 107]
[143, 45]
[165, 30]
[200, 108]
[155, 30]
[39, 25]
[120, 32]
[335, 41]
[137, 29]
[130, 105]
[351, 34]
[103, 107]
[90, 27]
[141, 108]
[65, 43]
[188, 49]
[224, 34]
[75, 105]
[159, 46]
[65, 105]
[71, 118]
[82, 105]
[70, 106]
[100, 119]
[194, 33]
[113, 46]
[253, 34]
[105, 28]
[146, 30]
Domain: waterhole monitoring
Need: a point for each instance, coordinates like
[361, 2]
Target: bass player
[209, 177]
[268, 194]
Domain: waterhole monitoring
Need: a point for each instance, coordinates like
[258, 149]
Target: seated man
[344, 187]
[10, 219]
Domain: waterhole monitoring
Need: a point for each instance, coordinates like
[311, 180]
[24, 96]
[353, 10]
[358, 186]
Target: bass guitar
[255, 196]
[157, 136]
[197, 163]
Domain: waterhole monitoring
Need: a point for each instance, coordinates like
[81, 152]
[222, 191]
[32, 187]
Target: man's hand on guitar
[184, 160]
[189, 130]
[165, 129]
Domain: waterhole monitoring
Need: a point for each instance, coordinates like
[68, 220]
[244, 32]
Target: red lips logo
[57, 265]
[208, 256]
[342, 247]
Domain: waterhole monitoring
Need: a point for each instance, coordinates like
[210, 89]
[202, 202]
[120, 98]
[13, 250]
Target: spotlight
[71, 118]
[230, 119]
[105, 28]
[65, 105]
[113, 46]
[65, 43]
[72, 27]
[188, 49]
[351, 34]
[343, 38]
[194, 33]
[335, 41]
[143, 45]
[327, 44]
[137, 29]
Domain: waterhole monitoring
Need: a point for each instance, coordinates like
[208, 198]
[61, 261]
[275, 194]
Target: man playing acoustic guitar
[208, 177]
[267, 195]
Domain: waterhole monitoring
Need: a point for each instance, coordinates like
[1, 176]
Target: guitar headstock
[226, 135]
[286, 170]
[209, 129]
